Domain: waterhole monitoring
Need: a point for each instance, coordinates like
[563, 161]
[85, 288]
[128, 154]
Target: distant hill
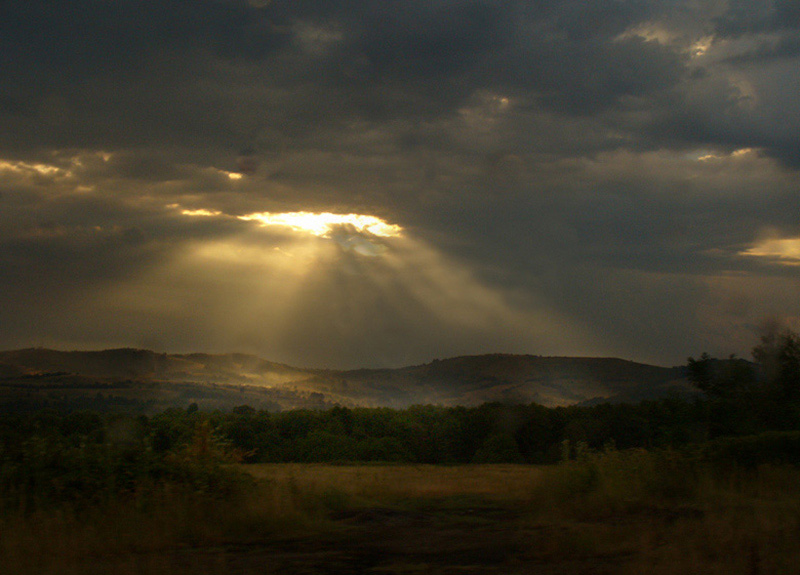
[141, 363]
[471, 380]
[150, 381]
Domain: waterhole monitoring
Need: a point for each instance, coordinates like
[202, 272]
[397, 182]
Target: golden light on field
[322, 224]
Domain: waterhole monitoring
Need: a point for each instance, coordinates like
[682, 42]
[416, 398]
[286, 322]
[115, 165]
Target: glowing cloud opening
[322, 224]
[201, 213]
[785, 251]
[25, 167]
[736, 154]
[701, 46]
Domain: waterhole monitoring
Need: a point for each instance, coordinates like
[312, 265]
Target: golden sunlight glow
[231, 175]
[786, 251]
[322, 224]
[740, 153]
[700, 47]
[23, 167]
[201, 213]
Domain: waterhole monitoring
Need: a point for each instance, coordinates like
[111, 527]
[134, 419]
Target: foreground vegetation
[83, 494]
[683, 485]
[612, 512]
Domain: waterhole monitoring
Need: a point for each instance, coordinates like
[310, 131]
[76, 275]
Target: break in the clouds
[376, 183]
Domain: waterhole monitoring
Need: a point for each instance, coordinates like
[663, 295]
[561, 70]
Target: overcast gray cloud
[570, 177]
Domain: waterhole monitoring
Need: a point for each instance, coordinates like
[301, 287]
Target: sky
[375, 184]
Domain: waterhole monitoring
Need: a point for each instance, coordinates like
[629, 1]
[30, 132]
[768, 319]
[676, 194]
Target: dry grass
[130, 535]
[663, 513]
[395, 482]
[618, 512]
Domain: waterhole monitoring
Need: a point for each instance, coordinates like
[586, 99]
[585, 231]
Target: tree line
[58, 453]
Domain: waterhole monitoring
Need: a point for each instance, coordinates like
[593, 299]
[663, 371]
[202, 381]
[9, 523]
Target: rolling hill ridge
[154, 380]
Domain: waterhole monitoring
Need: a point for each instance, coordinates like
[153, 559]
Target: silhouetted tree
[778, 357]
[721, 378]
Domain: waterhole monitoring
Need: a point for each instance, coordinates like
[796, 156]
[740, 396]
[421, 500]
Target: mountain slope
[235, 379]
[471, 380]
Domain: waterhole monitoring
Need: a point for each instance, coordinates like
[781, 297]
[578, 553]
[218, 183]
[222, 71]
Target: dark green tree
[721, 378]
[778, 358]
[498, 448]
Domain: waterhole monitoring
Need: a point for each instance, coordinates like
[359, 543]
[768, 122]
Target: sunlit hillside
[159, 380]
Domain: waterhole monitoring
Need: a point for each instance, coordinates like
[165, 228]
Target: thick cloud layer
[571, 177]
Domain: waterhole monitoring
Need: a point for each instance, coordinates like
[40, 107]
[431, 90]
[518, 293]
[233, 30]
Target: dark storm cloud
[121, 73]
[64, 43]
[137, 72]
[744, 17]
[165, 62]
[539, 144]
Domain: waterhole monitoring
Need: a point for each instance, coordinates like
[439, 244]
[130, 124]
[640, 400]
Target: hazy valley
[142, 380]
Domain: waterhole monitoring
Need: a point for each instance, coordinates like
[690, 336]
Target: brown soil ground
[470, 540]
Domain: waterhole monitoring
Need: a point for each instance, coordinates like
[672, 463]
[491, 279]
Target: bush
[610, 481]
[78, 462]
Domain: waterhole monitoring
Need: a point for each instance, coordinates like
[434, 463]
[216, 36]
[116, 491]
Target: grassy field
[616, 512]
